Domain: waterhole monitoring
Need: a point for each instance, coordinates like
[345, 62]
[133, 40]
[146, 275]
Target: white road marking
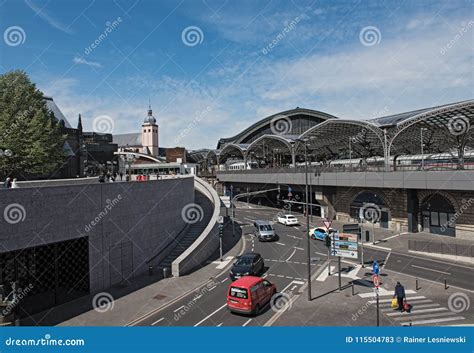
[220, 324]
[417, 311]
[298, 282]
[157, 321]
[280, 243]
[430, 269]
[324, 275]
[247, 322]
[417, 305]
[182, 306]
[297, 248]
[383, 292]
[393, 236]
[212, 288]
[389, 300]
[225, 279]
[433, 321]
[208, 316]
[288, 259]
[386, 260]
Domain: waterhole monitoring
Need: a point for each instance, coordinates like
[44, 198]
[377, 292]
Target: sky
[212, 68]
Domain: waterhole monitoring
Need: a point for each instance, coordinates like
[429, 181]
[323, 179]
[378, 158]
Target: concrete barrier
[207, 242]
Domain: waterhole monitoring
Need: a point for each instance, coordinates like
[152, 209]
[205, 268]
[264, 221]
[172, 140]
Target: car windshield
[244, 261]
[238, 292]
[266, 227]
[291, 217]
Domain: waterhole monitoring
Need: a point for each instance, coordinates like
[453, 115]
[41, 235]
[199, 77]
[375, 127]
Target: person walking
[400, 295]
[6, 183]
[15, 184]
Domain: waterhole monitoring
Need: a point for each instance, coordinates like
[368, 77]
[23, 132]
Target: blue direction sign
[375, 268]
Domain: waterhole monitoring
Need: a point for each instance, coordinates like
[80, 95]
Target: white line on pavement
[430, 269]
[389, 300]
[419, 305]
[178, 309]
[247, 322]
[288, 259]
[386, 260]
[220, 324]
[413, 312]
[208, 316]
[212, 288]
[157, 321]
[225, 279]
[280, 243]
[297, 248]
[422, 322]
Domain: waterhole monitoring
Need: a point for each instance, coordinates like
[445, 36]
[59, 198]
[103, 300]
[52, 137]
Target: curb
[172, 301]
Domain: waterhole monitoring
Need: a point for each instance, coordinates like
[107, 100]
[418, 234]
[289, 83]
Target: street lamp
[422, 145]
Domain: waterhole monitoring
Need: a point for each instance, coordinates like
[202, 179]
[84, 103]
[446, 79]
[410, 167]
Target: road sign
[376, 281]
[344, 245]
[376, 268]
[327, 223]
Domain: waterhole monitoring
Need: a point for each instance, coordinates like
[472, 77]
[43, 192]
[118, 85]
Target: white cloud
[41, 12]
[82, 61]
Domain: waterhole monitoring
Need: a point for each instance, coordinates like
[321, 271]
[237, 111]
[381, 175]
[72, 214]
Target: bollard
[445, 284]
[352, 288]
[165, 272]
[416, 284]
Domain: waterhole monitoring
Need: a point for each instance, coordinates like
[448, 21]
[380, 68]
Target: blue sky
[242, 61]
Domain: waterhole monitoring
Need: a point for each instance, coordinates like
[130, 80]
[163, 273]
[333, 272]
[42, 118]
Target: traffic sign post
[327, 224]
[376, 281]
[220, 221]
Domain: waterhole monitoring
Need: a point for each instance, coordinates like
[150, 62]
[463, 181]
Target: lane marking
[418, 305]
[212, 288]
[386, 260]
[247, 322]
[208, 316]
[426, 316]
[288, 259]
[389, 300]
[280, 243]
[430, 269]
[297, 248]
[157, 321]
[413, 312]
[178, 309]
[225, 279]
[220, 324]
[383, 292]
[434, 321]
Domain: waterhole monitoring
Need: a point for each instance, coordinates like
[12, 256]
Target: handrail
[181, 265]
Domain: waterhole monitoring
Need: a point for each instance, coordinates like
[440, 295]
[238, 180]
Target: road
[286, 266]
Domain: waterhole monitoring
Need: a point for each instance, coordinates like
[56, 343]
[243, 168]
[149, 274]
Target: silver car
[264, 231]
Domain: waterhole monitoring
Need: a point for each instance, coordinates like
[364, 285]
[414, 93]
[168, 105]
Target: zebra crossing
[424, 311]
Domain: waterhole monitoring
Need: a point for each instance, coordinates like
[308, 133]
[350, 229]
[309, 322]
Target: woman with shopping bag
[399, 295]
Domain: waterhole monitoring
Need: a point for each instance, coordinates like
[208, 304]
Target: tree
[28, 129]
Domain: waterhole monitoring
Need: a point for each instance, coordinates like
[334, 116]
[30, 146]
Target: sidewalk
[432, 303]
[136, 304]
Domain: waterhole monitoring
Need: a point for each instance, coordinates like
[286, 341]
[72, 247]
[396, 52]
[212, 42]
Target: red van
[249, 294]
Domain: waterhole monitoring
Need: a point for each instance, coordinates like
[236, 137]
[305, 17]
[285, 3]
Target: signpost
[220, 221]
[354, 228]
[376, 280]
[344, 245]
[327, 224]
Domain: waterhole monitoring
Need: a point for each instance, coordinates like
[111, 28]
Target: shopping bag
[407, 307]
[394, 304]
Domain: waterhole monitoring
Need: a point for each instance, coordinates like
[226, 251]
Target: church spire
[79, 123]
[150, 118]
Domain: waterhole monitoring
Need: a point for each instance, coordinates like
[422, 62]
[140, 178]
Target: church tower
[150, 134]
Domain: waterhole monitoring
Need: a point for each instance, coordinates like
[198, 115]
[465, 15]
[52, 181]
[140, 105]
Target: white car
[288, 220]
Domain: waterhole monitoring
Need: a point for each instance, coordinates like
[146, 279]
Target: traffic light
[328, 240]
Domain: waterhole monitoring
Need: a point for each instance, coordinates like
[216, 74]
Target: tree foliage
[27, 128]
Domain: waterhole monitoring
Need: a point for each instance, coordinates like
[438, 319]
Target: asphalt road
[286, 266]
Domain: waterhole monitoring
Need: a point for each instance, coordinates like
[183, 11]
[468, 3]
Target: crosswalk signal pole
[378, 311]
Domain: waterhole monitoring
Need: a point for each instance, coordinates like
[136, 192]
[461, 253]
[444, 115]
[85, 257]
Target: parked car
[250, 264]
[288, 220]
[264, 231]
[320, 233]
[249, 294]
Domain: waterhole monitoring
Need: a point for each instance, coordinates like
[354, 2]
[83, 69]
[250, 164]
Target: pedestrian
[400, 295]
[6, 183]
[121, 176]
[14, 184]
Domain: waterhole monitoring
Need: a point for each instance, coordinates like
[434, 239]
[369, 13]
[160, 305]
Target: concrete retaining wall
[126, 223]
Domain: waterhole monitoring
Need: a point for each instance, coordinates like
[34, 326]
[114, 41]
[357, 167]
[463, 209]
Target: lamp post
[422, 152]
[5, 154]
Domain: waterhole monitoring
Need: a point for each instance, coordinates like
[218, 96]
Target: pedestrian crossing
[424, 312]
